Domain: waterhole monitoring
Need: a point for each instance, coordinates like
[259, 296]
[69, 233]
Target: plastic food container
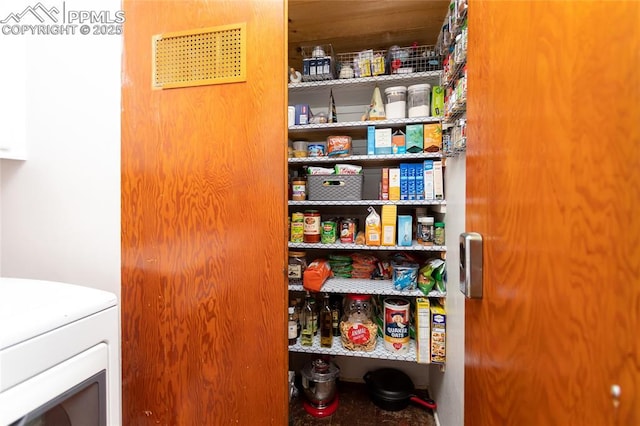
[418, 100]
[396, 106]
[358, 331]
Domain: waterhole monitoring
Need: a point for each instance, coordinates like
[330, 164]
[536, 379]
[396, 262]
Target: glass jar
[311, 226]
[425, 231]
[358, 331]
[438, 238]
[298, 189]
[297, 266]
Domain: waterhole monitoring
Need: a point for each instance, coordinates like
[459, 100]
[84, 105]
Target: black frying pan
[392, 390]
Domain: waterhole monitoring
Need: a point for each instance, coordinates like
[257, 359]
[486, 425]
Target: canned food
[297, 227]
[396, 325]
[348, 230]
[329, 233]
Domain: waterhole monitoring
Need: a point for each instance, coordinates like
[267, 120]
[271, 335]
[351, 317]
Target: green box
[414, 138]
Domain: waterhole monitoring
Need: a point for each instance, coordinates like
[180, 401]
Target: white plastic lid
[396, 89]
[426, 220]
[291, 309]
[417, 87]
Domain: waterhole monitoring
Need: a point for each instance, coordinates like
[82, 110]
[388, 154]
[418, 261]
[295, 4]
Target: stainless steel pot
[319, 382]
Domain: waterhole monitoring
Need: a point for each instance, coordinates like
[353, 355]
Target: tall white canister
[396, 106]
[418, 100]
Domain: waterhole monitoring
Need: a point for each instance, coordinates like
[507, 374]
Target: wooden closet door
[553, 184]
[203, 226]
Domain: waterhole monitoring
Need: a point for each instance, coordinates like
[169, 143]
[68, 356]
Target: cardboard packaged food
[433, 137]
[438, 334]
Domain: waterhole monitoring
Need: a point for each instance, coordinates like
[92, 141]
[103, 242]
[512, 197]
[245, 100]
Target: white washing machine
[59, 355]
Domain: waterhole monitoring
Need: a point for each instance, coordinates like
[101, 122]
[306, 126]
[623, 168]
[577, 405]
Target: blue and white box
[405, 230]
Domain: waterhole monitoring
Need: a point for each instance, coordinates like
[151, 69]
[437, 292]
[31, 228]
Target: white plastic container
[396, 106]
[418, 100]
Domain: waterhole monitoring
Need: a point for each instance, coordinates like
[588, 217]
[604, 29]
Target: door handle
[471, 265]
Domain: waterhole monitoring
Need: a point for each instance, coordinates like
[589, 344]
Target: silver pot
[319, 382]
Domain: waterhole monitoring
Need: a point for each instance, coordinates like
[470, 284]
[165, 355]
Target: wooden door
[553, 184]
[203, 226]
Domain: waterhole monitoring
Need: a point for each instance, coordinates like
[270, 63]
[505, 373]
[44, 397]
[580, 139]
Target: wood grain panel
[553, 185]
[203, 220]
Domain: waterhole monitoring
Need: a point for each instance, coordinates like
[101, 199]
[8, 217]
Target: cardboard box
[438, 185]
[384, 184]
[398, 143]
[404, 181]
[394, 184]
[438, 334]
[411, 182]
[371, 140]
[437, 101]
[428, 180]
[419, 181]
[423, 330]
[433, 137]
[414, 136]
[383, 141]
[302, 114]
[405, 230]
[388, 220]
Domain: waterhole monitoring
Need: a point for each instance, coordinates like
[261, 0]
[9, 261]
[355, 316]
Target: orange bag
[316, 274]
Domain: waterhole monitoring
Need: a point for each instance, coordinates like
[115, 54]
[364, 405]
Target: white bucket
[396, 106]
[396, 325]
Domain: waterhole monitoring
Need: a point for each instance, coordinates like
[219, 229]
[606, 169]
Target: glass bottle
[335, 314]
[314, 314]
[292, 327]
[326, 323]
[306, 333]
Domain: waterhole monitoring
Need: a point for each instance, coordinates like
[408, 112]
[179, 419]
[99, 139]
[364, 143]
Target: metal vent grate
[198, 57]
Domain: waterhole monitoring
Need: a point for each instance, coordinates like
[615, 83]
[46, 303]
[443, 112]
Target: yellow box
[423, 330]
[433, 137]
[394, 184]
[438, 334]
[389, 217]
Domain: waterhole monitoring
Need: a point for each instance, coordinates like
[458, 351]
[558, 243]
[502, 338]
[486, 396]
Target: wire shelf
[365, 158]
[369, 203]
[418, 77]
[396, 60]
[363, 286]
[380, 352]
[357, 124]
[351, 246]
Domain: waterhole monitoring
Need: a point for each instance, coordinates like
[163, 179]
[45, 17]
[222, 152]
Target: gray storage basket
[335, 187]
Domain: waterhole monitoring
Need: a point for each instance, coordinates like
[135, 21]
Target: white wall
[448, 386]
[60, 209]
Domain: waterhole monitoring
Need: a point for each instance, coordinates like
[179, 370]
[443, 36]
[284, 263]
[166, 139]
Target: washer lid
[29, 308]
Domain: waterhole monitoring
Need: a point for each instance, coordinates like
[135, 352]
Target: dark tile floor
[356, 409]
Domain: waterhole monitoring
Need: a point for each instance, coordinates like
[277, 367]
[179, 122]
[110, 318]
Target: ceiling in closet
[354, 25]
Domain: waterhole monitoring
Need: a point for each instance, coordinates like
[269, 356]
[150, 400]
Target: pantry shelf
[365, 158]
[380, 352]
[367, 81]
[370, 203]
[345, 125]
[362, 286]
[349, 246]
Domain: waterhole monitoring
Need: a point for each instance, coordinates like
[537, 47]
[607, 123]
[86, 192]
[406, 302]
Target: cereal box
[423, 330]
[438, 334]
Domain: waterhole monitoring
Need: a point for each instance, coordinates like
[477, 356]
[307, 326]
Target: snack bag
[316, 274]
[373, 228]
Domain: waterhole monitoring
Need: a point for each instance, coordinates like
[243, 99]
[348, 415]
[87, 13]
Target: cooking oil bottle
[326, 323]
[307, 320]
